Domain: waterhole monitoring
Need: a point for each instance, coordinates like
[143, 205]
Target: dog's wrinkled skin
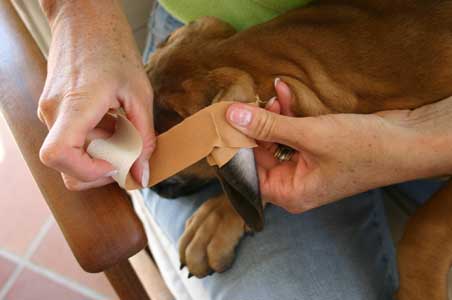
[337, 56]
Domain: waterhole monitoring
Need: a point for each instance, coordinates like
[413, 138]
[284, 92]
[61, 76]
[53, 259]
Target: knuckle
[51, 154]
[46, 107]
[265, 126]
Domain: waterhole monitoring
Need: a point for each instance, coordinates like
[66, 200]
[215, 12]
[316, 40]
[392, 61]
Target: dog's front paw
[210, 237]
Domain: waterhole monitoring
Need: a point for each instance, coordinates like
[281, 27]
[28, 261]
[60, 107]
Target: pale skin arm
[344, 154]
[93, 66]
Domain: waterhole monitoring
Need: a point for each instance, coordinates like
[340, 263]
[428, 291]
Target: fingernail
[145, 175]
[270, 102]
[112, 173]
[240, 116]
[277, 80]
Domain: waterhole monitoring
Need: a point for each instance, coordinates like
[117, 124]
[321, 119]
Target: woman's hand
[93, 66]
[344, 154]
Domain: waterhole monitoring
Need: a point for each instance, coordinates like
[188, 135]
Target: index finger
[63, 149]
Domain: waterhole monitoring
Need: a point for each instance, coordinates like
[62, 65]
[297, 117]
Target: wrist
[431, 125]
[54, 8]
[79, 27]
[421, 140]
[69, 11]
[438, 149]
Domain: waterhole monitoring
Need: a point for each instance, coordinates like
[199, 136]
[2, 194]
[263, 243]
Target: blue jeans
[339, 251]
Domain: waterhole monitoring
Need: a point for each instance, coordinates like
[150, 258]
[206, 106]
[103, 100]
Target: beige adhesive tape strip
[205, 134]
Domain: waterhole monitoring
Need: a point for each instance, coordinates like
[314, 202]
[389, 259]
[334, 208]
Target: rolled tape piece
[205, 134]
[121, 149]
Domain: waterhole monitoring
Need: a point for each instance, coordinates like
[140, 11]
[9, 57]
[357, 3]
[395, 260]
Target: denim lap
[338, 251]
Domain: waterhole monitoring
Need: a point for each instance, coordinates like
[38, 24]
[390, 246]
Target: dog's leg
[210, 237]
[425, 253]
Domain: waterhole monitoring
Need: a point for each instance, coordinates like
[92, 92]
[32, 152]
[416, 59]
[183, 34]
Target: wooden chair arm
[99, 225]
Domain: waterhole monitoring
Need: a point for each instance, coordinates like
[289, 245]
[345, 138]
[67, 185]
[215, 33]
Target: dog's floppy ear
[221, 84]
[201, 30]
[240, 183]
[238, 177]
[232, 85]
[211, 27]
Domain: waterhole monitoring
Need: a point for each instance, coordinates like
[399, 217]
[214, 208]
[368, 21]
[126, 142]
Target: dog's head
[186, 76]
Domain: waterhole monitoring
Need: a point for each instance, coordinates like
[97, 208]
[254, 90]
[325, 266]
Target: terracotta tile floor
[35, 261]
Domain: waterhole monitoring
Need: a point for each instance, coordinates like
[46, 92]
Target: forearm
[422, 142]
[83, 32]
[73, 9]
[98, 22]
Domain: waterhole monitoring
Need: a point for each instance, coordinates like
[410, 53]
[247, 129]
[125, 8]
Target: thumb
[263, 125]
[139, 113]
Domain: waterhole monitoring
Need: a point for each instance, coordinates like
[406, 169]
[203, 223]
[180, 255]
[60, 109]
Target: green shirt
[239, 13]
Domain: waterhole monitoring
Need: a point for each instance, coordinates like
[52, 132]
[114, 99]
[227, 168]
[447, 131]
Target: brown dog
[337, 56]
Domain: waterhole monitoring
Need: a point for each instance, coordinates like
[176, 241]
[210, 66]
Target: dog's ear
[221, 84]
[200, 30]
[232, 85]
[240, 183]
[238, 177]
[211, 27]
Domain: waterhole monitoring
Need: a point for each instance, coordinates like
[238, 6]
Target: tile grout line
[38, 239]
[23, 262]
[21, 265]
[53, 276]
[30, 251]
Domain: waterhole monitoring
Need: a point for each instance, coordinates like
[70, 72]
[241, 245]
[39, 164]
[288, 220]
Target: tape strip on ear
[205, 134]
